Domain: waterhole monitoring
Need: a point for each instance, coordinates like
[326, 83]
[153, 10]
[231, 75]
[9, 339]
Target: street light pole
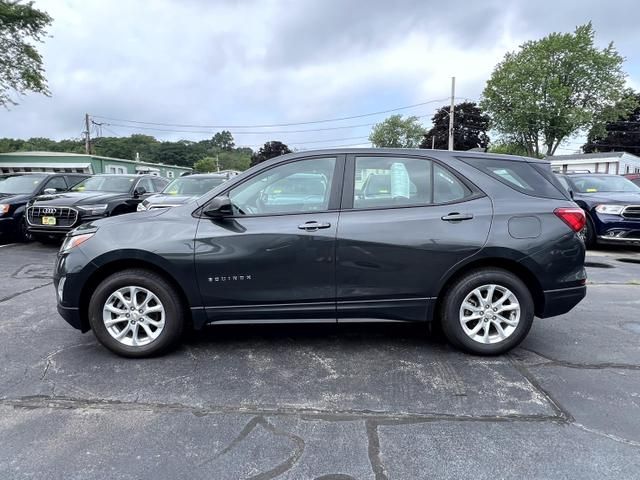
[453, 96]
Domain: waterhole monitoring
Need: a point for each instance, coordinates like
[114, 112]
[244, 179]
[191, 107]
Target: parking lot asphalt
[321, 402]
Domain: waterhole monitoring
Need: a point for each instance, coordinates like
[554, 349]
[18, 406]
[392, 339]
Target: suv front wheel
[487, 312]
[136, 313]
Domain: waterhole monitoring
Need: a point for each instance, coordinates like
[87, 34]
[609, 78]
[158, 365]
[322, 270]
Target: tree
[206, 165]
[554, 87]
[223, 140]
[21, 68]
[622, 134]
[509, 146]
[396, 132]
[269, 150]
[470, 127]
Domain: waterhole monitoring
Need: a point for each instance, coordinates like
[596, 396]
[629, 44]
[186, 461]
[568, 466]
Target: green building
[80, 163]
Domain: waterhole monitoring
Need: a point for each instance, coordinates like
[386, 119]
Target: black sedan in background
[479, 243]
[96, 197]
[17, 189]
[612, 206]
[182, 190]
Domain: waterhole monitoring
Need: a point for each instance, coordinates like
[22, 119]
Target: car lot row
[43, 206]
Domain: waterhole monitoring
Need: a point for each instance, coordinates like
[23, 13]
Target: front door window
[297, 187]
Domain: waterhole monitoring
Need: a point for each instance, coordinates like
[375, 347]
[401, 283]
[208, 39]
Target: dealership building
[81, 163]
[617, 163]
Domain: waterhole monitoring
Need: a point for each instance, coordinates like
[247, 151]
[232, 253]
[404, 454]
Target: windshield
[105, 183]
[21, 184]
[193, 186]
[603, 183]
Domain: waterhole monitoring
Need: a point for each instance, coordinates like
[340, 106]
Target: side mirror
[571, 194]
[218, 207]
[50, 191]
[139, 191]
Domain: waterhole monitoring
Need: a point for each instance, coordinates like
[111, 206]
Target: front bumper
[557, 302]
[616, 229]
[7, 226]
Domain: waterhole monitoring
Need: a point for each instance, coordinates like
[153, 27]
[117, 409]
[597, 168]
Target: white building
[617, 163]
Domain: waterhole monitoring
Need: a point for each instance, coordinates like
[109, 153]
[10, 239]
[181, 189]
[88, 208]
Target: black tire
[168, 297]
[456, 294]
[22, 234]
[588, 234]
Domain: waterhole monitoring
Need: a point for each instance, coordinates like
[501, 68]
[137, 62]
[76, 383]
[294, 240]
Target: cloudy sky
[236, 63]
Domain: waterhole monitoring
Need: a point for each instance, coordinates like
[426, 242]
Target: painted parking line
[9, 245]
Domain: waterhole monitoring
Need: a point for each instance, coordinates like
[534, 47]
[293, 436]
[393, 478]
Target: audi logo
[49, 211]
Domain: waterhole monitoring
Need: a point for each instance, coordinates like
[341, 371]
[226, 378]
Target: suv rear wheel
[487, 312]
[136, 313]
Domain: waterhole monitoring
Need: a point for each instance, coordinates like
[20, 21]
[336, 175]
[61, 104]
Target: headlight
[4, 208]
[97, 209]
[142, 206]
[610, 209]
[72, 242]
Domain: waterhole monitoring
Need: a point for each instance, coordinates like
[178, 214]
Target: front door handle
[456, 217]
[313, 225]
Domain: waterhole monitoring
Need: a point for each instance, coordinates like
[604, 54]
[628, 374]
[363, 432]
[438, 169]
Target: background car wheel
[487, 312]
[23, 235]
[136, 313]
[588, 234]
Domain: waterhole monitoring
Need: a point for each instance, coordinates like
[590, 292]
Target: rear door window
[519, 175]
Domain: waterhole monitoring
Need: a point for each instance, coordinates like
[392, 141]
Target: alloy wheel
[490, 314]
[134, 316]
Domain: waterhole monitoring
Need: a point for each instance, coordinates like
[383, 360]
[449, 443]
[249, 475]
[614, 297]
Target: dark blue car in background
[612, 206]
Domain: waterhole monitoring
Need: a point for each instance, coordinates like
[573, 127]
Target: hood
[618, 198]
[166, 199]
[77, 198]
[135, 217]
[14, 198]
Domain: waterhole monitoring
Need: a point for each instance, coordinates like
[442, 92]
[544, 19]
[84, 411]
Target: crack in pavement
[17, 294]
[373, 449]
[610, 436]
[533, 381]
[33, 402]
[278, 469]
[584, 366]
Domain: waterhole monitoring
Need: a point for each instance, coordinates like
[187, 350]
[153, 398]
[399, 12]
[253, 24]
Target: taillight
[572, 216]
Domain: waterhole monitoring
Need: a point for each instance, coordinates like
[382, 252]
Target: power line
[309, 122]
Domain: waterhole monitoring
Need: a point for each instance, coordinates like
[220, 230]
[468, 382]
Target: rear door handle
[456, 217]
[313, 225]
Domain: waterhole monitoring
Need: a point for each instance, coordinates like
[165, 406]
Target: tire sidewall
[459, 291]
[158, 286]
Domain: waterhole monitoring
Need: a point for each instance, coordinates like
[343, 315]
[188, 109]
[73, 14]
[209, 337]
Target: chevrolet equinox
[480, 243]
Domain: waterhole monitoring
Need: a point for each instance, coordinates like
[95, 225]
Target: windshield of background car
[603, 183]
[21, 184]
[192, 186]
[105, 183]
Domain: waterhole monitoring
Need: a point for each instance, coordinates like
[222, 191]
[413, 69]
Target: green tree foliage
[554, 87]
[21, 69]
[470, 127]
[206, 165]
[397, 132]
[269, 150]
[509, 147]
[621, 134]
[223, 140]
[147, 148]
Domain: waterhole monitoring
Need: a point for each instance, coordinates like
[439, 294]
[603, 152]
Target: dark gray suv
[480, 243]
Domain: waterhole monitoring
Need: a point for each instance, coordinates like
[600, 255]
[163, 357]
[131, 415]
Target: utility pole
[87, 135]
[453, 96]
[217, 163]
[433, 142]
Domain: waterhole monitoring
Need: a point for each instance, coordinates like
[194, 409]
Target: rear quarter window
[528, 178]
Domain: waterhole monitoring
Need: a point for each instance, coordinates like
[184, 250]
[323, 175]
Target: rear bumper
[557, 302]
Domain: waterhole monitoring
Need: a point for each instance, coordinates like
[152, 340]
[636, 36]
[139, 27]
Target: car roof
[420, 152]
[205, 175]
